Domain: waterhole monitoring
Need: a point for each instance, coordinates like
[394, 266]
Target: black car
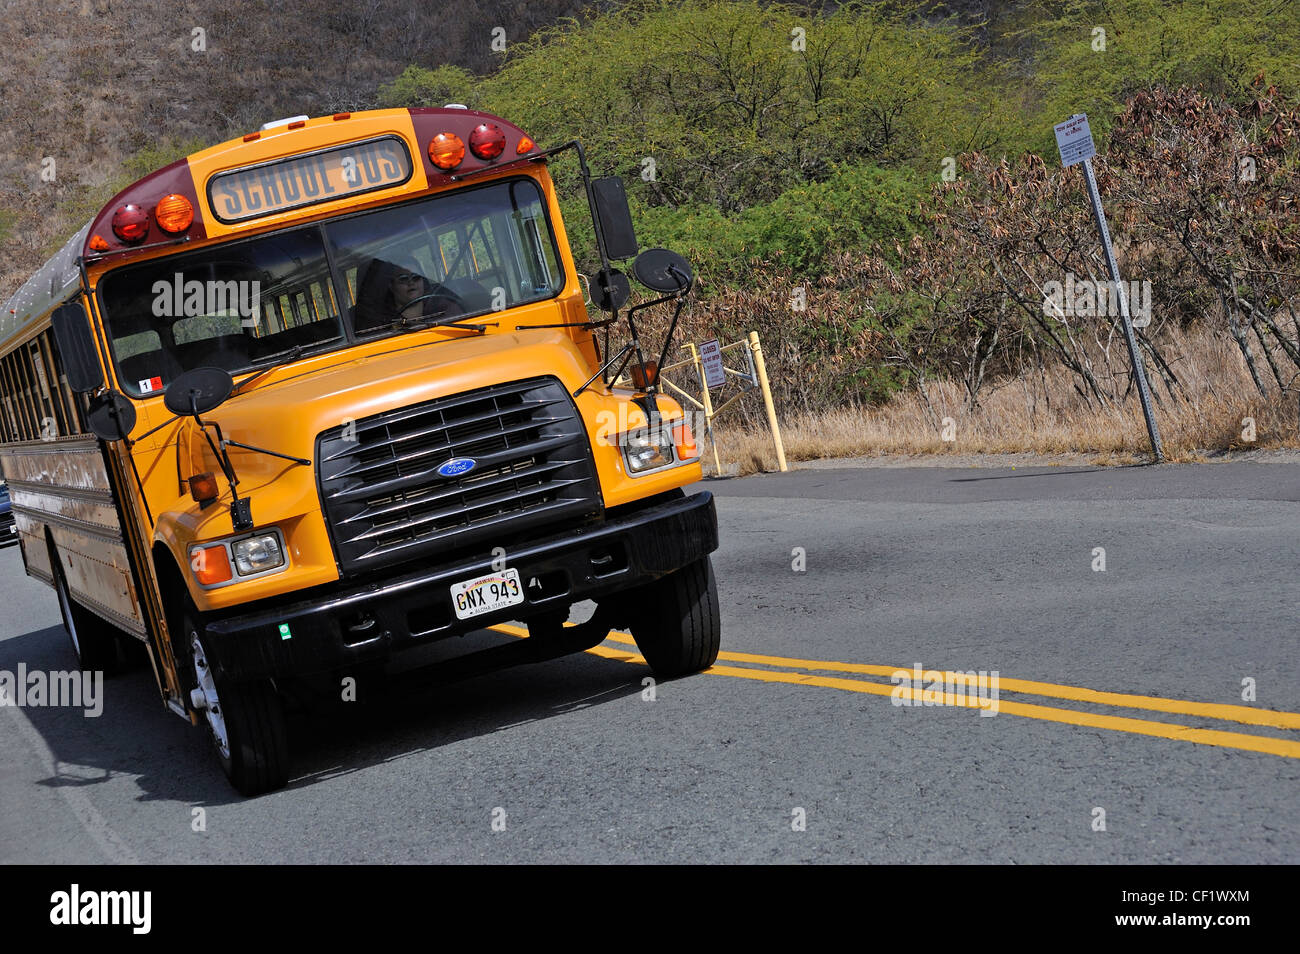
[8, 530]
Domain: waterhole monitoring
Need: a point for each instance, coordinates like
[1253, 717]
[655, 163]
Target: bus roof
[55, 282]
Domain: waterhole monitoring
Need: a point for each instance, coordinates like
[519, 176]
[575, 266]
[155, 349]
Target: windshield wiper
[278, 359]
[294, 354]
[411, 324]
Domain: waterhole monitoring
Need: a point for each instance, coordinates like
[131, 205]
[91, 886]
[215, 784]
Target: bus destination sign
[270, 187]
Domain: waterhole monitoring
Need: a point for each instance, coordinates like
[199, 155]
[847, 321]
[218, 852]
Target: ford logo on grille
[457, 466]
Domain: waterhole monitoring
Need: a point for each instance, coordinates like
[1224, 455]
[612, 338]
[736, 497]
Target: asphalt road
[973, 570]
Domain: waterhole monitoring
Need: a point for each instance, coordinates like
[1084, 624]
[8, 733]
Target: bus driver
[394, 292]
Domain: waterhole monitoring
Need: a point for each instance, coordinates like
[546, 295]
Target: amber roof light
[174, 213]
[446, 150]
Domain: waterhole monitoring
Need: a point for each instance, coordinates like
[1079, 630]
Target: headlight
[226, 562]
[648, 450]
[257, 554]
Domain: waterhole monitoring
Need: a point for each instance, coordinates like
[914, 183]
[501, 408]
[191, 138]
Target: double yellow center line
[806, 672]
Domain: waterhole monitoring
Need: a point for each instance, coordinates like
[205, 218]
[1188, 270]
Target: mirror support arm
[668, 338]
[621, 356]
[241, 513]
[269, 453]
[152, 430]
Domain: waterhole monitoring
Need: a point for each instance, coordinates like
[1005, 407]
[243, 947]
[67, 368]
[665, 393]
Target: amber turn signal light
[174, 213]
[684, 438]
[642, 374]
[211, 565]
[203, 488]
[446, 150]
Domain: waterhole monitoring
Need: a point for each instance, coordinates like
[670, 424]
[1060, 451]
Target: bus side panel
[62, 486]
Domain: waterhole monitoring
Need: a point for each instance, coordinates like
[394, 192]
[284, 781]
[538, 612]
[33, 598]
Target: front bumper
[367, 623]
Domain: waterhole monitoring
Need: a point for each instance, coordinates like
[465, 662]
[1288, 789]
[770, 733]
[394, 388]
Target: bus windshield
[252, 303]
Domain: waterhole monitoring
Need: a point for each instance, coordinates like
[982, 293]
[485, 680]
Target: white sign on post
[715, 376]
[1074, 140]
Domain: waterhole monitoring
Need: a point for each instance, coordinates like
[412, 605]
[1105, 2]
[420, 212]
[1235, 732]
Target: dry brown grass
[1039, 416]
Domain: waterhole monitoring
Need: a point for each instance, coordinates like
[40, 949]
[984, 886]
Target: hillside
[92, 83]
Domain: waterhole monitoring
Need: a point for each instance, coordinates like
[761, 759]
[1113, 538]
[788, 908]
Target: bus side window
[448, 250]
[323, 295]
[24, 426]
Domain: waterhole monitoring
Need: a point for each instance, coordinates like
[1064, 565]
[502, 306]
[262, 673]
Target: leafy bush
[799, 231]
[732, 103]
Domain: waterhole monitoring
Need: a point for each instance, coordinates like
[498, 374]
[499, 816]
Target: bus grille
[385, 501]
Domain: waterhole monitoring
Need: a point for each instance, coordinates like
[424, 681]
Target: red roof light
[131, 223]
[487, 141]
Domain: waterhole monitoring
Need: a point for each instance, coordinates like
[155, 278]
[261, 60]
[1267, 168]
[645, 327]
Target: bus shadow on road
[135, 735]
[388, 723]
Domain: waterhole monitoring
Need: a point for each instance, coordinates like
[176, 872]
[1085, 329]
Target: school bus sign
[298, 181]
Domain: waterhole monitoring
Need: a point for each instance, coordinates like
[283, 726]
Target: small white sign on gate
[715, 376]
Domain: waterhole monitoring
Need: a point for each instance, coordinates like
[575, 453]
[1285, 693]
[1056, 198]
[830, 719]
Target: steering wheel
[443, 292]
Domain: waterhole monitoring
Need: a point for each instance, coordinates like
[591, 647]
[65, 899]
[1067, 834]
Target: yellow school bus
[307, 401]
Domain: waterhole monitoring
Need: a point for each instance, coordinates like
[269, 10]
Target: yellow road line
[1209, 710]
[1165, 730]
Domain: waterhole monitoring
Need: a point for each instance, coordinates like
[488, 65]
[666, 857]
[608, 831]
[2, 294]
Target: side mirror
[609, 198]
[198, 391]
[610, 292]
[663, 271]
[112, 417]
[77, 349]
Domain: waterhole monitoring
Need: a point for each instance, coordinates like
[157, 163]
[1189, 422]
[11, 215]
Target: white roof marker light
[282, 122]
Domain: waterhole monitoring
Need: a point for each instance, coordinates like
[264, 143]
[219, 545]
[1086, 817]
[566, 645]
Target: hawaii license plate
[483, 594]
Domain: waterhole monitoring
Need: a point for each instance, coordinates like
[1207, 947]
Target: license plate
[483, 594]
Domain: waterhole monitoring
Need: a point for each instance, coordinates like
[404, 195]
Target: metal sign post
[1074, 140]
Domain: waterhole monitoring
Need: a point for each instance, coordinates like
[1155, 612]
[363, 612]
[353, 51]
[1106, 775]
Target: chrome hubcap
[211, 704]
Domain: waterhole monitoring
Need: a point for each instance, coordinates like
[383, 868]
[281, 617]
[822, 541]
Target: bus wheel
[245, 722]
[676, 622]
[93, 640]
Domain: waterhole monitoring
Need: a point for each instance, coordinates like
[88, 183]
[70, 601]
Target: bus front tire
[245, 721]
[676, 622]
